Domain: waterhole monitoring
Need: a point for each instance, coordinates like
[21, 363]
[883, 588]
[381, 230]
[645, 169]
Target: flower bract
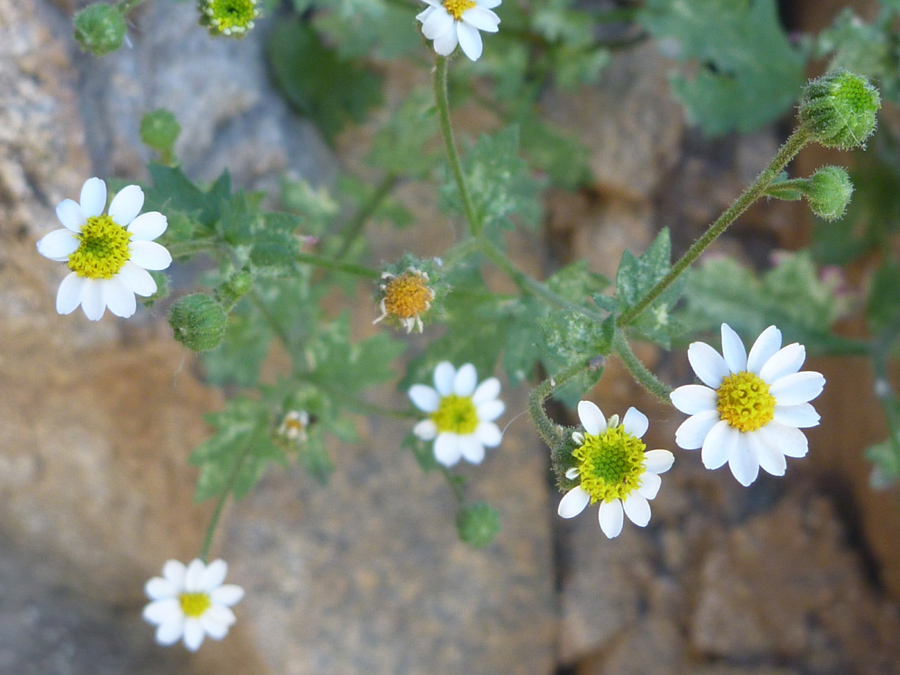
[108, 254]
[191, 602]
[613, 467]
[750, 408]
[461, 413]
[457, 22]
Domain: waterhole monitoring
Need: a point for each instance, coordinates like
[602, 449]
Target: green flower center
[457, 7]
[456, 414]
[104, 249]
[194, 604]
[610, 465]
[231, 16]
[744, 401]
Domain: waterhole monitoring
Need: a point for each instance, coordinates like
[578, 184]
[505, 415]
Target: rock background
[794, 576]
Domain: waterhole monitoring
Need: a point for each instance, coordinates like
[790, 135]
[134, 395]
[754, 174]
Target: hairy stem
[638, 370]
[328, 263]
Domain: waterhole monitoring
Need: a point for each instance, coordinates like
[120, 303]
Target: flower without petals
[460, 414]
[613, 468]
[108, 255]
[750, 408]
[457, 22]
[191, 602]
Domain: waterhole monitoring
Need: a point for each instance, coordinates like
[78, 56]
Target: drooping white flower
[191, 602]
[752, 407]
[457, 22]
[108, 255]
[614, 468]
[460, 414]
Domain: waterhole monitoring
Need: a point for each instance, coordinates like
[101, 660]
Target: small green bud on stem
[160, 130]
[199, 322]
[100, 29]
[477, 524]
[234, 289]
[829, 192]
[839, 109]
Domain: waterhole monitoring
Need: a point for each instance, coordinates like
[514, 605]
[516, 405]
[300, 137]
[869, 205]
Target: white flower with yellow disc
[457, 22]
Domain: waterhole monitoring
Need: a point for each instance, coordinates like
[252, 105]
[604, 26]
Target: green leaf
[175, 195]
[317, 207]
[236, 456]
[883, 303]
[747, 71]
[275, 243]
[363, 28]
[317, 81]
[636, 275]
[315, 458]
[576, 283]
[403, 146]
[237, 361]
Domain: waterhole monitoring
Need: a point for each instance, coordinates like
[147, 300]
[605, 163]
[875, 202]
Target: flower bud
[231, 18]
[839, 109]
[100, 29]
[477, 524]
[829, 192]
[159, 130]
[234, 289]
[199, 322]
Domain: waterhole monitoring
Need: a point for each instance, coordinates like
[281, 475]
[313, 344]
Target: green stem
[328, 263]
[552, 433]
[455, 485]
[788, 151]
[443, 107]
[356, 224]
[270, 319]
[638, 370]
[220, 505]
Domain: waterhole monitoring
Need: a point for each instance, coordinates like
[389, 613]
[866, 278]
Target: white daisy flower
[109, 255]
[191, 602]
[753, 406]
[457, 22]
[614, 468]
[461, 415]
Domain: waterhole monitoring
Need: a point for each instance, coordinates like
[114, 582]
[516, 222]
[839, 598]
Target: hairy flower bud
[839, 109]
[160, 130]
[829, 192]
[234, 289]
[477, 524]
[100, 29]
[199, 322]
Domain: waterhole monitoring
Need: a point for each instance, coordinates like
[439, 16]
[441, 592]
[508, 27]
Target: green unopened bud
[829, 192]
[159, 130]
[231, 18]
[199, 322]
[477, 524]
[100, 29]
[234, 289]
[839, 109]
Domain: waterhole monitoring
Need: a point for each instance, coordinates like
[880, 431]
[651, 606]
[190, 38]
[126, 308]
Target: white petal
[790, 441]
[766, 345]
[58, 245]
[170, 632]
[150, 255]
[733, 350]
[708, 364]
[445, 43]
[572, 473]
[591, 418]
[771, 459]
[194, 576]
[424, 14]
[439, 23]
[573, 502]
[227, 595]
[212, 626]
[175, 571]
[119, 297]
[488, 412]
[694, 398]
[482, 19]
[424, 398]
[649, 486]
[148, 226]
[92, 299]
[469, 40]
[797, 388]
[635, 422]
[489, 434]
[693, 430]
[637, 508]
[486, 391]
[162, 611]
[193, 634]
[465, 380]
[471, 448]
[446, 449]
[444, 374]
[126, 205]
[786, 361]
[658, 461]
[70, 215]
[214, 575]
[611, 518]
[743, 462]
[93, 197]
[158, 588]
[138, 279]
[426, 430]
[719, 445]
[802, 415]
[487, 4]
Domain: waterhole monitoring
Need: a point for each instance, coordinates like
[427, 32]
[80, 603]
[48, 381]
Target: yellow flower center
[234, 16]
[457, 7]
[610, 465]
[104, 249]
[407, 295]
[194, 604]
[744, 401]
[456, 414]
